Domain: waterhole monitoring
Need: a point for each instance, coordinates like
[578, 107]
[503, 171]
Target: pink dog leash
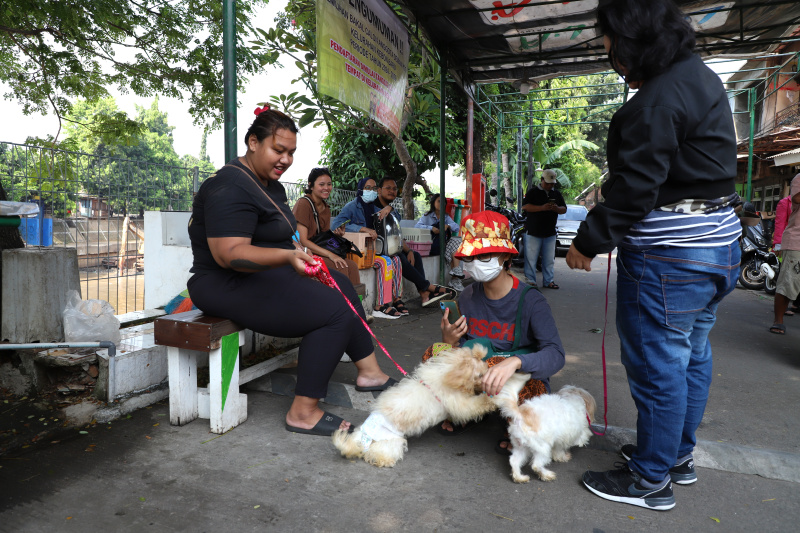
[320, 271]
[603, 349]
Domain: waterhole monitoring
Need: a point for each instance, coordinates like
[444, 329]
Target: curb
[771, 464]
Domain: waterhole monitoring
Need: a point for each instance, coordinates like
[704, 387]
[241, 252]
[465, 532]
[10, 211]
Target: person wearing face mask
[361, 209]
[507, 316]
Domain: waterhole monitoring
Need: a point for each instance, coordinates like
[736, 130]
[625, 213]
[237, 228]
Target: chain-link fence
[96, 205]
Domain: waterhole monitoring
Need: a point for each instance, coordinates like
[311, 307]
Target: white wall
[167, 256]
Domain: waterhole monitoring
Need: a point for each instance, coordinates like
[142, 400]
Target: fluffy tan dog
[448, 386]
[544, 428]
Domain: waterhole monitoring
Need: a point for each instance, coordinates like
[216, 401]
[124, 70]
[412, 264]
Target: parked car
[567, 226]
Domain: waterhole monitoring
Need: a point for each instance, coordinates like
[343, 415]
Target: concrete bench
[186, 334]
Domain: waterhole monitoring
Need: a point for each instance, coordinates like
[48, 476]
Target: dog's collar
[430, 389]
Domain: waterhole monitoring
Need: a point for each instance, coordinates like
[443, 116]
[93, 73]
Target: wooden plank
[193, 330]
[261, 369]
[139, 317]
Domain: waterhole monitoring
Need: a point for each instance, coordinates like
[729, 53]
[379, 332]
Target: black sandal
[503, 450]
[401, 306]
[458, 429]
[387, 311]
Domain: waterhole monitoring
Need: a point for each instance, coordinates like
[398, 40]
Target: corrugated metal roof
[504, 40]
[790, 152]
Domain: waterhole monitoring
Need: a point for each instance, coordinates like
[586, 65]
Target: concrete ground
[141, 473]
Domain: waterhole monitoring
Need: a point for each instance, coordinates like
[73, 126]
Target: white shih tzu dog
[447, 386]
[544, 428]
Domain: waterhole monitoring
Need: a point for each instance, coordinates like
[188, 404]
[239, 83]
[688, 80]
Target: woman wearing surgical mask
[510, 318]
[356, 212]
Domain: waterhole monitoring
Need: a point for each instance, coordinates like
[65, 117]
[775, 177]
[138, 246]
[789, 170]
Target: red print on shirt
[492, 330]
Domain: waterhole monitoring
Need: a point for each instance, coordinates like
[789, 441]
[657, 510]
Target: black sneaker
[682, 473]
[624, 485]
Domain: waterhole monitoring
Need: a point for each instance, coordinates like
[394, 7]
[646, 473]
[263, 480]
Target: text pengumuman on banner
[363, 58]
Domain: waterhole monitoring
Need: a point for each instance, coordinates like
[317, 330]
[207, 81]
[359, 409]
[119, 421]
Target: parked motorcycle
[517, 226]
[760, 266]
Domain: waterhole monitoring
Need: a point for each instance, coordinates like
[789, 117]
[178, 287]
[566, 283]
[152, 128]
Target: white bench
[186, 334]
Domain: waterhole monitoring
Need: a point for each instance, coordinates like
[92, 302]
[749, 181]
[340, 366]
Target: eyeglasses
[483, 258]
[368, 188]
[391, 189]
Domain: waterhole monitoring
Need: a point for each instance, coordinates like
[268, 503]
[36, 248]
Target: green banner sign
[363, 57]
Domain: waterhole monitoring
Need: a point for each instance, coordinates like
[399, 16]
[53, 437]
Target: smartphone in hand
[343, 224]
[452, 305]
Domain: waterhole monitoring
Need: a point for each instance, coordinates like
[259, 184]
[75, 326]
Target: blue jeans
[667, 300]
[547, 247]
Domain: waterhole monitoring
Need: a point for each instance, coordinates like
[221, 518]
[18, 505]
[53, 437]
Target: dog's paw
[520, 478]
[562, 457]
[547, 475]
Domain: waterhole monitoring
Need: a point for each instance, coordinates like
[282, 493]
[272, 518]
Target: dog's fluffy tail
[508, 398]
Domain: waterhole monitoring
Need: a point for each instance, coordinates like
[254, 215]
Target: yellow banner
[362, 51]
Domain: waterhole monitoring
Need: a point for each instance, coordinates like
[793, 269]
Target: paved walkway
[140, 472]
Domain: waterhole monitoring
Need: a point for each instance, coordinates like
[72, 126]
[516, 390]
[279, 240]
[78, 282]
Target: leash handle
[321, 272]
[603, 350]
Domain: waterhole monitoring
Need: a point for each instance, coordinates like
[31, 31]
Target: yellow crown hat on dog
[485, 232]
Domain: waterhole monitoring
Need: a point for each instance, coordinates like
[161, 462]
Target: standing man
[789, 278]
[543, 204]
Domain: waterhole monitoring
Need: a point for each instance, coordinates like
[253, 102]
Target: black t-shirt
[231, 203]
[542, 223]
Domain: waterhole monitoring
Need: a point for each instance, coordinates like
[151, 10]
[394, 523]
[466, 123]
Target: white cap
[549, 176]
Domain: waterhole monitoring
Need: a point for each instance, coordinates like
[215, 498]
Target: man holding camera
[543, 204]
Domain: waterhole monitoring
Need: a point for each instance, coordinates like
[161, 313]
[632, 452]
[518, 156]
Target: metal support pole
[229, 76]
[519, 169]
[751, 107]
[494, 200]
[470, 137]
[442, 162]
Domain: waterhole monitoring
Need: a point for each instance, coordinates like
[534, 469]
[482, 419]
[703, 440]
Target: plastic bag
[90, 320]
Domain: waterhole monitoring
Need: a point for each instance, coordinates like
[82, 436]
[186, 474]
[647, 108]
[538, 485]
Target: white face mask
[483, 272]
[369, 196]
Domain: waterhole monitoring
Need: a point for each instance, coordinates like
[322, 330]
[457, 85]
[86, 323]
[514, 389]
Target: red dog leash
[603, 349]
[320, 271]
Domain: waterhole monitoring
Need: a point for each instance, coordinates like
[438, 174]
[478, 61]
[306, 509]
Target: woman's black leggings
[282, 303]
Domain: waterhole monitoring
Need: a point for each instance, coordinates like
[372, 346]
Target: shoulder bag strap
[313, 210]
[518, 322]
[265, 194]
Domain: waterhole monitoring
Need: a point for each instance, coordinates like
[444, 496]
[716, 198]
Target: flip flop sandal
[778, 329]
[326, 426]
[503, 450]
[387, 311]
[401, 307]
[552, 285]
[377, 388]
[458, 429]
[434, 298]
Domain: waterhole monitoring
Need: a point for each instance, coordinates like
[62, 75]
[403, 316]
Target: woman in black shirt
[248, 268]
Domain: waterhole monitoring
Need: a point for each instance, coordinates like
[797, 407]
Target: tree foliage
[54, 52]
[562, 125]
[141, 171]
